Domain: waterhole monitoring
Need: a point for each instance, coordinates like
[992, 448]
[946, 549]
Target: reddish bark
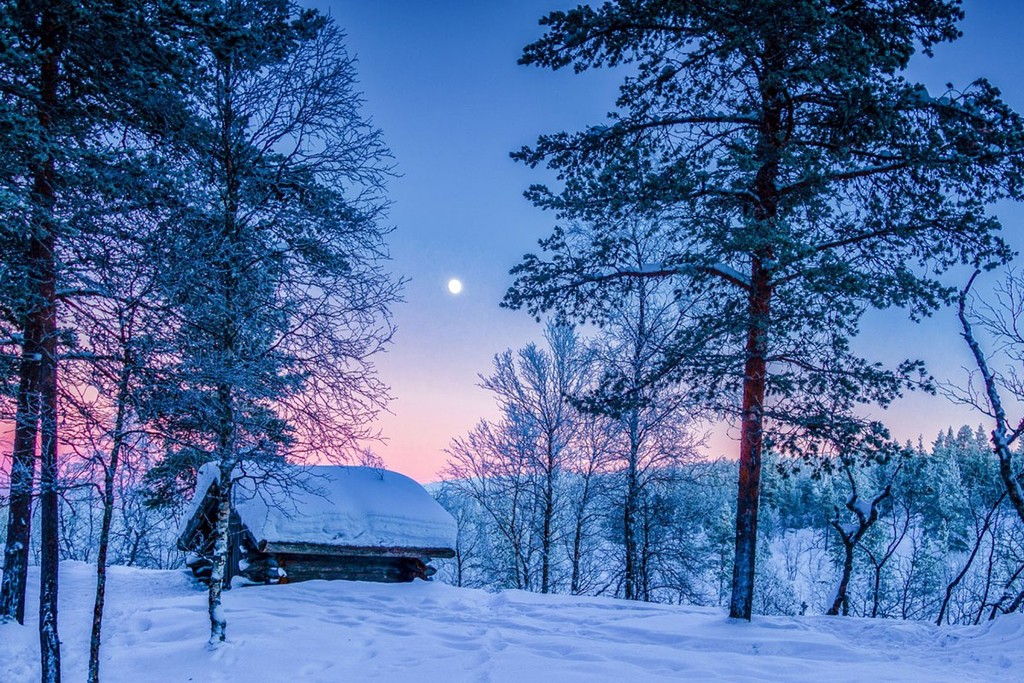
[751, 446]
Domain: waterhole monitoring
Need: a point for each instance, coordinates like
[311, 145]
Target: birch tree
[276, 271]
[655, 420]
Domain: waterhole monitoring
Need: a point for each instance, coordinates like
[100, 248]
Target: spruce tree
[798, 180]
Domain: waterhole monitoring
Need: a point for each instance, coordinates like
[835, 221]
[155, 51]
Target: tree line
[194, 254]
[556, 497]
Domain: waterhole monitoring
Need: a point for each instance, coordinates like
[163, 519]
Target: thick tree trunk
[43, 252]
[751, 445]
[759, 298]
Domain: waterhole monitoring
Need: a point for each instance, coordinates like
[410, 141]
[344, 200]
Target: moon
[455, 285]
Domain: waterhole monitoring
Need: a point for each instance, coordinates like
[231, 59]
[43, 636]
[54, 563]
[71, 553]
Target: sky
[440, 79]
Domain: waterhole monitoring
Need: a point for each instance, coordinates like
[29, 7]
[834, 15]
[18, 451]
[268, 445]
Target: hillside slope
[330, 631]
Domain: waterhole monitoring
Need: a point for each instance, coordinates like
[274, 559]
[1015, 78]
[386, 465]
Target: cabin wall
[289, 562]
[383, 569]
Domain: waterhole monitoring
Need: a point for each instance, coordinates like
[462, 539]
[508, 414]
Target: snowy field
[155, 630]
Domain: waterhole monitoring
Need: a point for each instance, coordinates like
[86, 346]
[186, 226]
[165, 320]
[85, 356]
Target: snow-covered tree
[122, 327]
[493, 467]
[80, 77]
[275, 270]
[529, 448]
[798, 180]
[654, 419]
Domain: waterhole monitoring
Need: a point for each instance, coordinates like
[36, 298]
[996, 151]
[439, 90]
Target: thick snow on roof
[337, 505]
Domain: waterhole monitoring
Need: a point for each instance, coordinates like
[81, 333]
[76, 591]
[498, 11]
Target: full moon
[454, 286]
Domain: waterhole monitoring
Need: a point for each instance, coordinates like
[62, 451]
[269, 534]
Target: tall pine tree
[798, 178]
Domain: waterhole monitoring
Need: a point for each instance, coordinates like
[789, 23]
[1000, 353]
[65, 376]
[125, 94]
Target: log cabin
[321, 522]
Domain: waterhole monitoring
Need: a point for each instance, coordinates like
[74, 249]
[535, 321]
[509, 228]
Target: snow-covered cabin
[322, 522]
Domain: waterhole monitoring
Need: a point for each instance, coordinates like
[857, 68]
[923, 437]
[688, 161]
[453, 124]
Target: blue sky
[440, 78]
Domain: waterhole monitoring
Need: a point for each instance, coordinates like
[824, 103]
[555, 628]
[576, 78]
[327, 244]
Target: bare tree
[865, 512]
[121, 324]
[535, 385]
[493, 467]
[588, 459]
[1003, 321]
[899, 521]
[655, 418]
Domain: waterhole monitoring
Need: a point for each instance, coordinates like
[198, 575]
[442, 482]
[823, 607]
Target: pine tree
[798, 180]
[79, 75]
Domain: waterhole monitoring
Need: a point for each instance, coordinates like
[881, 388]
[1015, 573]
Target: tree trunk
[771, 139]
[632, 502]
[42, 252]
[108, 513]
[842, 601]
[227, 268]
[751, 444]
[23, 465]
[629, 523]
[644, 572]
[549, 513]
[218, 624]
[49, 501]
[967, 565]
[577, 554]
[876, 587]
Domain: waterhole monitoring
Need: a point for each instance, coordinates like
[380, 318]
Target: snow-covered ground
[155, 630]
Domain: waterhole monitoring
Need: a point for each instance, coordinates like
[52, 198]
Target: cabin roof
[335, 506]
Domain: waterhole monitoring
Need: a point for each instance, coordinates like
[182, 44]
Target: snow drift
[156, 631]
